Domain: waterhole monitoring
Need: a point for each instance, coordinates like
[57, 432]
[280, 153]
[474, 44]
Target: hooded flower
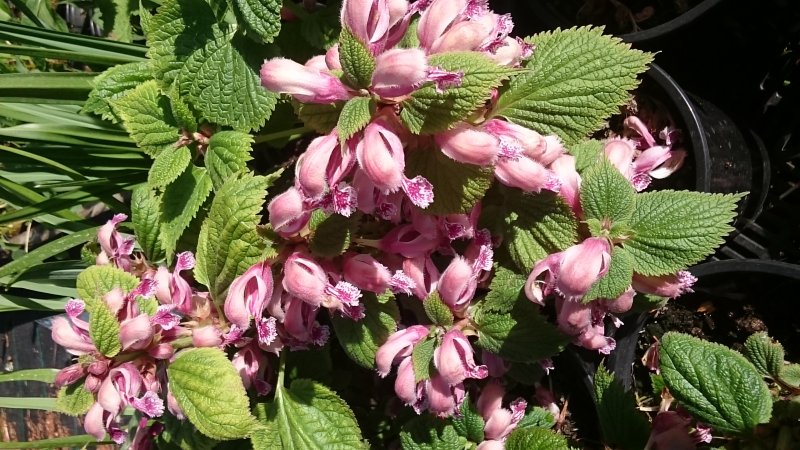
[306, 84]
[454, 359]
[114, 248]
[570, 273]
[248, 295]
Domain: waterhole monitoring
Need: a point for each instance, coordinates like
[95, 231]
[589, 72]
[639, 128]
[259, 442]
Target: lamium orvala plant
[455, 213]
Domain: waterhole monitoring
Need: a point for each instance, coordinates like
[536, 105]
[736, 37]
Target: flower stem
[292, 133]
[281, 372]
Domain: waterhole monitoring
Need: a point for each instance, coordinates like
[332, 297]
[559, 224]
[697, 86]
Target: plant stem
[281, 372]
[292, 133]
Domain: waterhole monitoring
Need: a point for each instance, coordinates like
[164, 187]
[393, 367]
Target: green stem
[291, 134]
[281, 372]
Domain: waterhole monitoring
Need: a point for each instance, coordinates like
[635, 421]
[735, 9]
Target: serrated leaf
[673, 230]
[180, 203]
[361, 339]
[429, 433]
[437, 311]
[225, 87]
[227, 154]
[146, 218]
[181, 111]
[766, 354]
[357, 62]
[168, 166]
[428, 111]
[505, 291]
[791, 375]
[469, 423]
[616, 280]
[535, 439]
[577, 78]
[587, 153]
[715, 384]
[262, 17]
[332, 236]
[210, 392]
[606, 195]
[537, 417]
[623, 425]
[113, 84]
[536, 226]
[321, 28]
[322, 118]
[176, 31]
[147, 305]
[146, 115]
[97, 281]
[229, 240]
[657, 382]
[74, 399]
[457, 187]
[519, 335]
[308, 416]
[104, 328]
[355, 115]
[422, 359]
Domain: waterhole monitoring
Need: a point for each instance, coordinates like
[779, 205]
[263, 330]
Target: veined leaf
[263, 17]
[357, 62]
[113, 84]
[147, 222]
[624, 426]
[227, 154]
[361, 339]
[147, 115]
[97, 281]
[180, 203]
[74, 399]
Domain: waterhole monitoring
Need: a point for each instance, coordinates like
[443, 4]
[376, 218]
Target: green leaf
[332, 235]
[321, 28]
[470, 423]
[168, 166]
[42, 375]
[180, 203]
[577, 79]
[179, 29]
[765, 354]
[536, 226]
[262, 17]
[606, 195]
[79, 441]
[527, 374]
[673, 230]
[113, 84]
[115, 19]
[624, 426]
[457, 187]
[44, 404]
[74, 400]
[355, 115]
[791, 375]
[179, 434]
[308, 416]
[519, 335]
[715, 384]
[148, 306]
[505, 291]
[429, 433]
[537, 417]
[535, 439]
[428, 112]
[422, 359]
[357, 62]
[147, 222]
[69, 88]
[147, 115]
[361, 339]
[587, 154]
[227, 154]
[224, 85]
[210, 392]
[437, 311]
[24, 263]
[229, 241]
[104, 328]
[181, 111]
[322, 118]
[97, 281]
[616, 280]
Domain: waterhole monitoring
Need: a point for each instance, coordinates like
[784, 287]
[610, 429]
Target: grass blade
[79, 441]
[46, 87]
[59, 54]
[19, 266]
[42, 375]
[72, 42]
[10, 303]
[47, 404]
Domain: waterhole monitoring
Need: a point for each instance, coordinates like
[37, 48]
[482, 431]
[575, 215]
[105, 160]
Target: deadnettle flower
[569, 182]
[424, 273]
[318, 176]
[381, 156]
[251, 364]
[640, 167]
[669, 286]
[288, 213]
[366, 273]
[300, 324]
[454, 359]
[305, 279]
[452, 25]
[172, 288]
[499, 422]
[671, 431]
[570, 273]
[398, 346]
[379, 24]
[114, 248]
[442, 398]
[306, 84]
[457, 284]
[248, 295]
[73, 334]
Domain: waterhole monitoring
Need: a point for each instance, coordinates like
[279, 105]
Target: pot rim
[766, 266]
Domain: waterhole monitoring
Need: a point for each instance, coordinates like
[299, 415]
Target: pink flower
[248, 295]
[669, 286]
[457, 284]
[305, 84]
[379, 24]
[526, 174]
[671, 432]
[470, 145]
[305, 279]
[206, 336]
[443, 399]
[423, 273]
[499, 422]
[251, 363]
[136, 333]
[73, 335]
[398, 346]
[569, 182]
[572, 272]
[399, 72]
[407, 241]
[172, 288]
[114, 248]
[69, 375]
[288, 213]
[300, 324]
[366, 273]
[454, 359]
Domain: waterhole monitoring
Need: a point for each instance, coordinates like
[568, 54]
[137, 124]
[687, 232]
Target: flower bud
[380, 155]
[305, 84]
[582, 265]
[161, 351]
[311, 170]
[399, 72]
[366, 273]
[569, 182]
[443, 399]
[287, 213]
[437, 18]
[454, 359]
[248, 295]
[69, 375]
[305, 279]
[73, 339]
[206, 336]
[457, 284]
[399, 345]
[669, 286]
[469, 145]
[423, 273]
[526, 174]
